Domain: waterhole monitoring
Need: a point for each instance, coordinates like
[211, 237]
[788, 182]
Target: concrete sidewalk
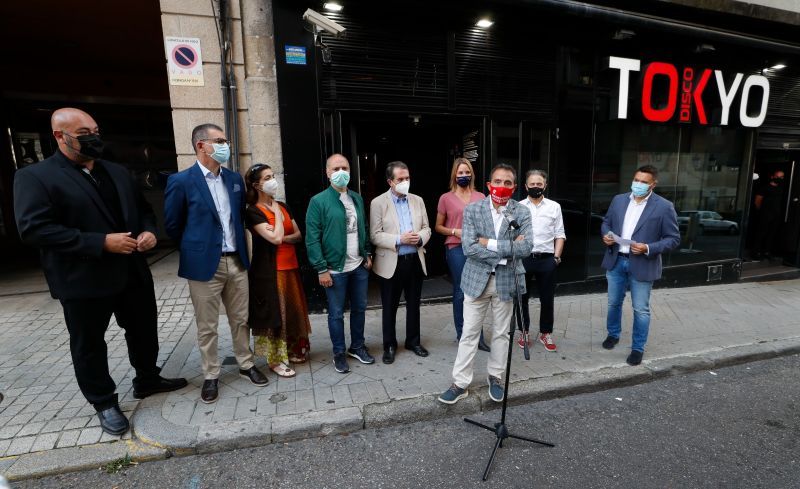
[47, 427]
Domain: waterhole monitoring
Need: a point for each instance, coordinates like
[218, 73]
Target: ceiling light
[484, 23]
[778, 67]
[333, 7]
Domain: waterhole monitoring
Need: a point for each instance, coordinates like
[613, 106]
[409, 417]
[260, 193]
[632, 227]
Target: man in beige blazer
[399, 229]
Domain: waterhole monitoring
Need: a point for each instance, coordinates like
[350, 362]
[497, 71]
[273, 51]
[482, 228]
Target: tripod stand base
[501, 432]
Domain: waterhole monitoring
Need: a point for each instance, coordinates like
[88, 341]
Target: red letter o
[665, 114]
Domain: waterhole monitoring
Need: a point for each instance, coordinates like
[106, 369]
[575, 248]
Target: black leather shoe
[419, 351]
[635, 358]
[610, 342]
[210, 391]
[255, 376]
[482, 346]
[159, 385]
[112, 421]
[388, 355]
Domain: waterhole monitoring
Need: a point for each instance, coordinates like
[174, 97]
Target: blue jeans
[455, 262]
[353, 286]
[619, 280]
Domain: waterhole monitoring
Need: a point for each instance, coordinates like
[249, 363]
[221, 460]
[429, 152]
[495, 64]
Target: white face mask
[403, 187]
[270, 187]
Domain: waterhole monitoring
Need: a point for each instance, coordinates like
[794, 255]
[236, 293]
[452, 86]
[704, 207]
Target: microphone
[510, 218]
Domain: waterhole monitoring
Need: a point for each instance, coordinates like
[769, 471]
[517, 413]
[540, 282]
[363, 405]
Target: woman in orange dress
[278, 309]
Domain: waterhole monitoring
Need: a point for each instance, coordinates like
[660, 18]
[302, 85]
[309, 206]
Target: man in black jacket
[91, 224]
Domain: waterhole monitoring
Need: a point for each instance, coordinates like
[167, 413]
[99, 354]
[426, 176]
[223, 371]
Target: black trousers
[407, 279]
[543, 268]
[766, 231]
[87, 321]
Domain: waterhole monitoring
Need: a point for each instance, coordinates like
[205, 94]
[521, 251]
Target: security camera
[322, 23]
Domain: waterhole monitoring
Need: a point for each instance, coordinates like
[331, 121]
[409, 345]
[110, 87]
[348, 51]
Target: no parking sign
[184, 61]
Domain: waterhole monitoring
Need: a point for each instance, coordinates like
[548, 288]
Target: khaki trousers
[474, 315]
[229, 284]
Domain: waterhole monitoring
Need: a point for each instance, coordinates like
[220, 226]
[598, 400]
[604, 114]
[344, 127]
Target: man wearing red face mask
[490, 244]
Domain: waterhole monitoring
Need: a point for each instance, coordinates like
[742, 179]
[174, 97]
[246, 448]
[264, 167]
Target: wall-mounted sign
[184, 61]
[295, 55]
[685, 89]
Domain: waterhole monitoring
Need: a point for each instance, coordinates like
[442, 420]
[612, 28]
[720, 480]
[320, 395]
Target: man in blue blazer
[638, 227]
[204, 212]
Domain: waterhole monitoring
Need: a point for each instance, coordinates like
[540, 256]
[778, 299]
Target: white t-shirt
[353, 258]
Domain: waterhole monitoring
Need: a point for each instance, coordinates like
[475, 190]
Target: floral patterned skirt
[291, 343]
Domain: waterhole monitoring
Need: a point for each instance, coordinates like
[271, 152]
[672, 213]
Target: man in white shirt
[638, 227]
[548, 244]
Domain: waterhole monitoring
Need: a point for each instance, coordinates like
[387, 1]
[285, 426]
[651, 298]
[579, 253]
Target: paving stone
[45, 441]
[7, 432]
[4, 444]
[68, 438]
[31, 429]
[20, 445]
[89, 436]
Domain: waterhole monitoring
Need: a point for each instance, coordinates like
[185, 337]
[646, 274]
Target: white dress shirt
[547, 224]
[222, 202]
[497, 218]
[632, 215]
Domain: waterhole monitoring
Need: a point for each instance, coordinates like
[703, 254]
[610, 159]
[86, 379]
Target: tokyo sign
[685, 95]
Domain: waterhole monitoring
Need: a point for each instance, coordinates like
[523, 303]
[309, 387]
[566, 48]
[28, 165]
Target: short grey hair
[540, 173]
[200, 133]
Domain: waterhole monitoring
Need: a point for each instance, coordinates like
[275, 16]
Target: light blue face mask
[639, 189]
[222, 153]
[340, 178]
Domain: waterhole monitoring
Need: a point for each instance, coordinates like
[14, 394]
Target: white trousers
[474, 316]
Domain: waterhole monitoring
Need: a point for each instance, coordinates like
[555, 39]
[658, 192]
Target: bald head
[68, 124]
[336, 160]
[70, 119]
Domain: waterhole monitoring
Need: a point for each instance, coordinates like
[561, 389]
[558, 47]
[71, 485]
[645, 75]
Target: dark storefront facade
[541, 88]
[116, 74]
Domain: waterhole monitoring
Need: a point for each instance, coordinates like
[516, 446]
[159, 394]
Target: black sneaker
[610, 342]
[340, 363]
[361, 354]
[635, 358]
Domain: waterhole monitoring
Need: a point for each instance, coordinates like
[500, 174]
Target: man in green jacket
[339, 250]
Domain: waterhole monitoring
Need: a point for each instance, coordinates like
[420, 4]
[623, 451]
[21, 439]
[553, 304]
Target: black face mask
[535, 192]
[777, 181]
[91, 146]
[463, 181]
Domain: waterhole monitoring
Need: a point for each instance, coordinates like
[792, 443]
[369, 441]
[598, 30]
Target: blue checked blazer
[478, 223]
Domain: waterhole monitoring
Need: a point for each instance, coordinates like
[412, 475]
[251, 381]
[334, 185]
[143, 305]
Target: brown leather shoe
[210, 391]
[255, 376]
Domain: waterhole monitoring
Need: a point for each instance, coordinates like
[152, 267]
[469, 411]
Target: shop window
[699, 171]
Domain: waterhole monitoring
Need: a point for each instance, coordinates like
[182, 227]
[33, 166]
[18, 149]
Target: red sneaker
[521, 342]
[547, 340]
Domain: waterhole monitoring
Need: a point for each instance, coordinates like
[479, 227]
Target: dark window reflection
[700, 172]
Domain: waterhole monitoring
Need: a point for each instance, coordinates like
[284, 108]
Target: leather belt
[230, 253]
[537, 255]
[626, 255]
[407, 256]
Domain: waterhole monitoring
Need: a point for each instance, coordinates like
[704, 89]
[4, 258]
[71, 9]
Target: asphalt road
[731, 428]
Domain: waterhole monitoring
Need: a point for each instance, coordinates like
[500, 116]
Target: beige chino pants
[475, 309]
[230, 285]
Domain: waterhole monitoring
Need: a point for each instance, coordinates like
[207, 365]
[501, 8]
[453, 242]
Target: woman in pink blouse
[449, 217]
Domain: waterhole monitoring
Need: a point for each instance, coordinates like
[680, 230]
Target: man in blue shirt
[399, 229]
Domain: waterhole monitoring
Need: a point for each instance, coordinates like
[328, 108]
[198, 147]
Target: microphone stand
[500, 430]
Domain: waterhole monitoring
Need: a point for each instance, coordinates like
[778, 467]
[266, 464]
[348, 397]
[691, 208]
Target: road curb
[156, 438]
[73, 459]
